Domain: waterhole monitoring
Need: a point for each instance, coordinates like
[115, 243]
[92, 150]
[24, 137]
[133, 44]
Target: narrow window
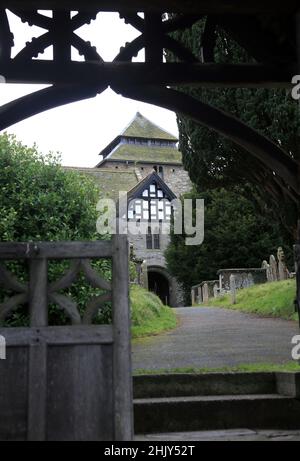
[156, 242]
[149, 239]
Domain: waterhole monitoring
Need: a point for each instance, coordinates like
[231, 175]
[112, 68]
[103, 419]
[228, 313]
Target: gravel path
[213, 337]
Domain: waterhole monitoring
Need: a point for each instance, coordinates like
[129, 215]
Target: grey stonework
[244, 278]
[277, 270]
[232, 288]
[274, 269]
[154, 260]
[176, 178]
[205, 290]
[282, 269]
[139, 150]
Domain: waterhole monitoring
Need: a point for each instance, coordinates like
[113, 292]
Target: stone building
[144, 161]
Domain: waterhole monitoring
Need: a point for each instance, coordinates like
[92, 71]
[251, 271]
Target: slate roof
[141, 127]
[109, 181]
[152, 154]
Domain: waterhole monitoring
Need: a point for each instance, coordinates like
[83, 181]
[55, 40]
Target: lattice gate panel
[66, 382]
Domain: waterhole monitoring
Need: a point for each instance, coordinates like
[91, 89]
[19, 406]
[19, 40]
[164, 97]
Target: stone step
[215, 412]
[225, 435]
[176, 385]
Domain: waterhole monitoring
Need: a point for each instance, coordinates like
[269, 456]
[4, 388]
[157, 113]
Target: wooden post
[153, 38]
[122, 372]
[297, 246]
[37, 373]
[37, 391]
[38, 303]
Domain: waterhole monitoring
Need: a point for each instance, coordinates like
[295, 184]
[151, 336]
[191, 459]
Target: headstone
[220, 282]
[232, 289]
[267, 266]
[273, 269]
[144, 275]
[216, 290]
[193, 296]
[250, 281]
[199, 295]
[282, 269]
[205, 293]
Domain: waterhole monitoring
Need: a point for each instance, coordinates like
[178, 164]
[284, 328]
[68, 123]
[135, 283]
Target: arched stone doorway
[159, 284]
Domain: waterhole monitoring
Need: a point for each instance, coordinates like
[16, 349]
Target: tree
[235, 236]
[40, 201]
[213, 161]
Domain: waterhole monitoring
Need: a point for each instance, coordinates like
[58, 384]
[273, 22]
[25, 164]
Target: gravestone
[205, 293]
[232, 289]
[282, 269]
[193, 296]
[216, 290]
[273, 269]
[199, 295]
[144, 275]
[267, 266]
[248, 281]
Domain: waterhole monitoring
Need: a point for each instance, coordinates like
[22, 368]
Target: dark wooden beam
[56, 250]
[186, 6]
[40, 101]
[208, 75]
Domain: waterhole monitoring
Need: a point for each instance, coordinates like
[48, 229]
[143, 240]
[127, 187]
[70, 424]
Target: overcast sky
[80, 130]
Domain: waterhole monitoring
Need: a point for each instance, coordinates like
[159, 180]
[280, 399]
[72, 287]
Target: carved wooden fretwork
[52, 294]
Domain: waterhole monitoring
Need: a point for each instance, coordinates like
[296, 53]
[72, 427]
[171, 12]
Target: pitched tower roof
[142, 141]
[141, 127]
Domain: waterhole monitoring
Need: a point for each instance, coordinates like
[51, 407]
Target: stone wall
[176, 178]
[154, 260]
[203, 291]
[244, 277]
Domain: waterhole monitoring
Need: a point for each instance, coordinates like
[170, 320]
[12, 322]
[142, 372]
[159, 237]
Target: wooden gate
[66, 382]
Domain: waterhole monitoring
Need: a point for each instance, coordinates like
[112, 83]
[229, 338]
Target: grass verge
[148, 315]
[249, 368]
[274, 299]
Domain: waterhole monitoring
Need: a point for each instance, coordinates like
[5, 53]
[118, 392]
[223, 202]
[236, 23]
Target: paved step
[176, 385]
[233, 435]
[215, 412]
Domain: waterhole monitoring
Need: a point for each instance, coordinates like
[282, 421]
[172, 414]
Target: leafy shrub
[40, 201]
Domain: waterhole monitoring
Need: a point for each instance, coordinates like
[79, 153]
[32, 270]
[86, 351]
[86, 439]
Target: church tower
[152, 154]
[144, 162]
